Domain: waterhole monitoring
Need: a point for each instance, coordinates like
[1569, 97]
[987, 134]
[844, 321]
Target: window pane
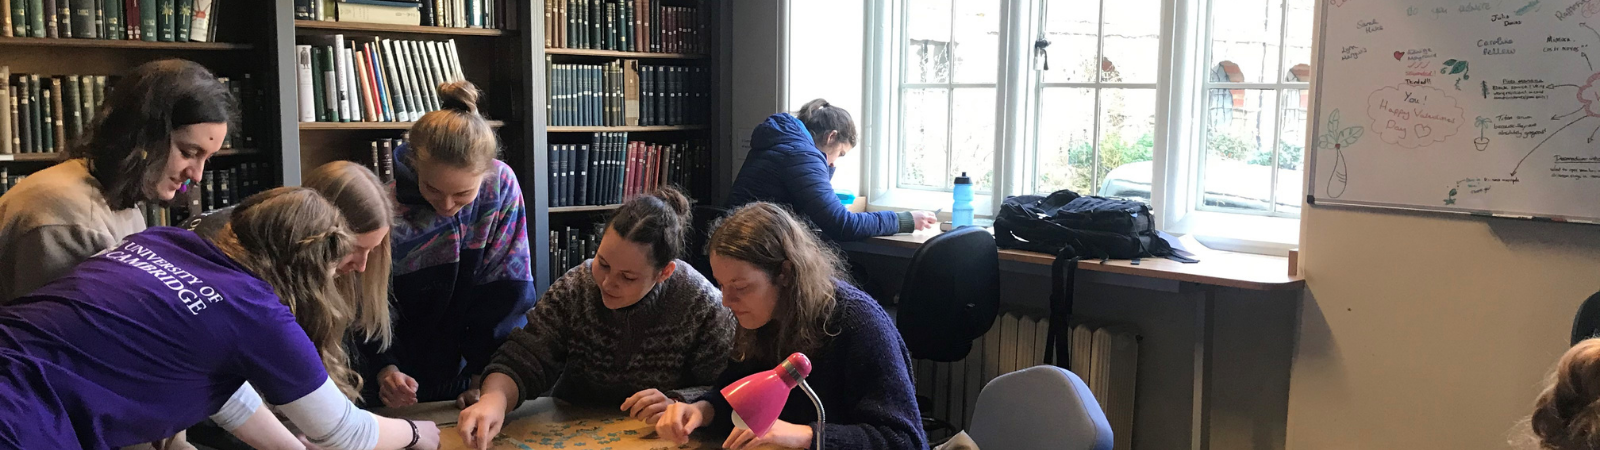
[1073, 28]
[927, 41]
[1244, 40]
[1133, 36]
[1238, 149]
[924, 127]
[977, 40]
[973, 144]
[1292, 150]
[1066, 141]
[1298, 29]
[1127, 140]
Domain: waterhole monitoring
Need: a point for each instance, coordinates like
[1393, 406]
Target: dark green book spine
[36, 18]
[115, 28]
[19, 18]
[46, 119]
[36, 121]
[52, 19]
[164, 19]
[148, 11]
[185, 17]
[83, 18]
[71, 106]
[318, 93]
[86, 98]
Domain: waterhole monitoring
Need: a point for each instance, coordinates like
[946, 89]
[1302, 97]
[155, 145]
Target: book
[165, 17]
[99, 18]
[72, 101]
[203, 28]
[8, 107]
[81, 17]
[149, 18]
[47, 117]
[396, 89]
[53, 18]
[363, 89]
[385, 100]
[386, 160]
[371, 13]
[14, 146]
[114, 28]
[413, 85]
[182, 18]
[319, 84]
[24, 116]
[341, 82]
[131, 19]
[18, 20]
[6, 30]
[330, 84]
[308, 111]
[302, 10]
[86, 100]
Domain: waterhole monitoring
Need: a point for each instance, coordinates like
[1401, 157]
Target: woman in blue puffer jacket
[791, 163]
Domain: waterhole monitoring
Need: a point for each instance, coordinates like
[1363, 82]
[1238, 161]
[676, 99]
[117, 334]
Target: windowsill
[918, 200]
[1241, 233]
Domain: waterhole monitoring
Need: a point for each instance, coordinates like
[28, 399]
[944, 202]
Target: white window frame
[1176, 158]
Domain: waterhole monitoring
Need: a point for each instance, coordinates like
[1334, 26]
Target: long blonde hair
[292, 238]
[455, 135]
[768, 237]
[1567, 414]
[365, 202]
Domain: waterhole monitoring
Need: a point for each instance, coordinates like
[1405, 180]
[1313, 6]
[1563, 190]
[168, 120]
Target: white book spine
[5, 112]
[408, 76]
[455, 61]
[353, 95]
[402, 112]
[200, 27]
[308, 101]
[425, 84]
[341, 68]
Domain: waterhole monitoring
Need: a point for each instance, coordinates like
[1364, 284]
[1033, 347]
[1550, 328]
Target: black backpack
[1075, 227]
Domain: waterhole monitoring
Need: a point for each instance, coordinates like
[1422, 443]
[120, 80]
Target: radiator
[1105, 357]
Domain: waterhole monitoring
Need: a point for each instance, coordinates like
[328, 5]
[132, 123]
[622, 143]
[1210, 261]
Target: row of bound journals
[146, 20]
[626, 93]
[46, 114]
[385, 80]
[612, 168]
[570, 247]
[624, 25]
[428, 13]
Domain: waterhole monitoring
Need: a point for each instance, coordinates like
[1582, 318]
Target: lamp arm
[822, 417]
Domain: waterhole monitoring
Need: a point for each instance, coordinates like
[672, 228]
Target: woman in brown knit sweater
[634, 327]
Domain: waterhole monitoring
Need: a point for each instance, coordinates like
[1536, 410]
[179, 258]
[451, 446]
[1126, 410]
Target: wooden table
[546, 423]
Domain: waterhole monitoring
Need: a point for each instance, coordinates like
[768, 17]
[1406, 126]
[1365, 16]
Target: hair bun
[675, 199]
[460, 95]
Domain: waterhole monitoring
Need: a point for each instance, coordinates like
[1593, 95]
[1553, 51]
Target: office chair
[1586, 324]
[950, 297]
[700, 235]
[1039, 408]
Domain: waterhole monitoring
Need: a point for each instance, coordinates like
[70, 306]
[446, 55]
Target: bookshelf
[619, 54]
[628, 129]
[334, 126]
[241, 43]
[316, 26]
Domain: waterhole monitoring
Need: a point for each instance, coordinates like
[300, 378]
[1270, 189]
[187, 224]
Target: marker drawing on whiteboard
[1483, 124]
[1337, 139]
[1589, 97]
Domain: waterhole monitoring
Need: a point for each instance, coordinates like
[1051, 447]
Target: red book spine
[130, 9]
[629, 172]
[655, 167]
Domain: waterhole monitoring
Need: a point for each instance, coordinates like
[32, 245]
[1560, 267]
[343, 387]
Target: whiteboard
[1482, 107]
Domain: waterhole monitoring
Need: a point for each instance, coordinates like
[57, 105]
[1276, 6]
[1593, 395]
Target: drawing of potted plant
[1482, 142]
[1337, 139]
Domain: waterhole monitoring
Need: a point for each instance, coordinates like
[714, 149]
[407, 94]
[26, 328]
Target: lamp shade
[758, 399]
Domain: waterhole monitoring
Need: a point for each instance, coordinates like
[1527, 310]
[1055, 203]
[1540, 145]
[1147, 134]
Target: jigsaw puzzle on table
[613, 433]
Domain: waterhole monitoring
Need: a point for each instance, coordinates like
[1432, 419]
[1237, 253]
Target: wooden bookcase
[259, 38]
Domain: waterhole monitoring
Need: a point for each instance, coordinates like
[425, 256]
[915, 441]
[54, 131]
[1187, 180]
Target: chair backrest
[1586, 324]
[1039, 408]
[699, 235]
[951, 294]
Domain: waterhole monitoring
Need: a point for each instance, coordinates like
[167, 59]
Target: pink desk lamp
[758, 398]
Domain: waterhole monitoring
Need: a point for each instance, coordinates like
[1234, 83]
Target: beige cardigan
[53, 220]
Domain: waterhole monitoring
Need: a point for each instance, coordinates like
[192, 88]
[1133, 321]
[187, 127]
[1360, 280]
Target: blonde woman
[166, 328]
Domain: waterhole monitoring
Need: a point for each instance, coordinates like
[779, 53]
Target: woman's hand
[924, 220]
[679, 419]
[647, 405]
[427, 436]
[396, 388]
[782, 434]
[468, 398]
[481, 422]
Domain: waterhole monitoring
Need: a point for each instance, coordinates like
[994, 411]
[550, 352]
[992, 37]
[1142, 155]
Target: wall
[756, 32]
[1430, 331]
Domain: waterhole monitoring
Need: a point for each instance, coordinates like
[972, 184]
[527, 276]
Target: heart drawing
[1422, 130]
[1398, 55]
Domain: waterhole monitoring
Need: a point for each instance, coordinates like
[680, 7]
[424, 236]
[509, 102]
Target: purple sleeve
[280, 360]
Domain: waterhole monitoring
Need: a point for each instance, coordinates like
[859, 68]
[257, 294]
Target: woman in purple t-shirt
[165, 329]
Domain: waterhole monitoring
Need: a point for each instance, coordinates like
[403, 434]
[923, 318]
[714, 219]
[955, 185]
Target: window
[946, 88]
[1197, 106]
[1256, 99]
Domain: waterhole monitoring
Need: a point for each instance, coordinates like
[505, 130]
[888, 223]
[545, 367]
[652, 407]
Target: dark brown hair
[130, 138]
[1567, 414]
[455, 135]
[805, 270]
[658, 220]
[820, 118]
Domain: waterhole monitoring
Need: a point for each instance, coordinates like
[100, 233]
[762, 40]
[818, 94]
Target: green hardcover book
[52, 19]
[36, 121]
[184, 17]
[24, 124]
[36, 18]
[147, 21]
[48, 131]
[114, 29]
[83, 18]
[165, 18]
[72, 104]
[19, 18]
[86, 101]
[330, 85]
[99, 90]
[317, 88]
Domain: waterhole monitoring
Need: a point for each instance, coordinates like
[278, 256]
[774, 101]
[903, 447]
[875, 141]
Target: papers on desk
[1185, 246]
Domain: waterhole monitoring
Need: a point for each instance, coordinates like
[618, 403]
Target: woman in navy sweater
[791, 163]
[786, 291]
